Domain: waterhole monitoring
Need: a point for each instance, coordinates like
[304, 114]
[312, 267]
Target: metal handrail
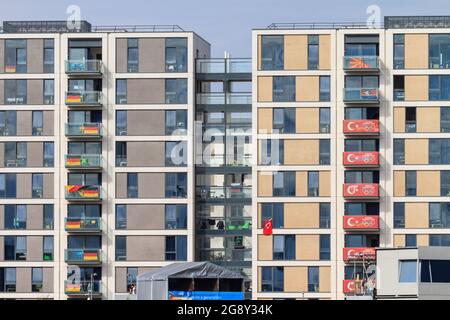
[139, 28]
[321, 25]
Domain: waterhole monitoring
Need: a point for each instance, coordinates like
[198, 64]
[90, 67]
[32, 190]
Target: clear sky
[226, 24]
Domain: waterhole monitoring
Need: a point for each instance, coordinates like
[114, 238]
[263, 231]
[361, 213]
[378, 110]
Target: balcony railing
[361, 127]
[83, 67]
[19, 162]
[226, 255]
[225, 224]
[361, 63]
[83, 224]
[361, 223]
[83, 193]
[361, 159]
[359, 254]
[220, 98]
[83, 256]
[83, 287]
[83, 161]
[224, 65]
[84, 130]
[361, 190]
[84, 98]
[214, 192]
[359, 95]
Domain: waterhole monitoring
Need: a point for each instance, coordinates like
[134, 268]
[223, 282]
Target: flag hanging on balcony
[73, 225]
[358, 63]
[73, 99]
[89, 130]
[267, 227]
[76, 161]
[73, 188]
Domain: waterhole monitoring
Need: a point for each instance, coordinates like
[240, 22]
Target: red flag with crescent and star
[267, 227]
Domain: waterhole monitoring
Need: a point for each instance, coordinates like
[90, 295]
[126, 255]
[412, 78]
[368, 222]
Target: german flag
[73, 162]
[89, 193]
[73, 188]
[73, 225]
[73, 287]
[10, 69]
[90, 256]
[73, 98]
[89, 130]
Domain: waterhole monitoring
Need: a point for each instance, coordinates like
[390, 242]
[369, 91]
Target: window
[360, 113]
[410, 240]
[176, 153]
[439, 51]
[439, 87]
[36, 280]
[361, 208]
[176, 54]
[407, 271]
[121, 122]
[15, 91]
[399, 215]
[49, 151]
[132, 185]
[133, 55]
[121, 216]
[15, 56]
[324, 88]
[176, 185]
[410, 118]
[176, 120]
[399, 51]
[49, 91]
[37, 181]
[49, 56]
[439, 215]
[272, 152]
[353, 176]
[361, 240]
[325, 247]
[439, 151]
[272, 279]
[274, 211]
[399, 151]
[121, 91]
[15, 248]
[121, 154]
[272, 52]
[313, 52]
[176, 248]
[15, 216]
[176, 216]
[445, 183]
[10, 280]
[435, 271]
[439, 240]
[15, 154]
[313, 183]
[324, 216]
[283, 89]
[284, 247]
[399, 87]
[445, 119]
[48, 248]
[411, 183]
[8, 185]
[313, 279]
[132, 274]
[284, 184]
[324, 151]
[121, 248]
[357, 145]
[48, 217]
[176, 91]
[324, 120]
[284, 120]
[8, 123]
[37, 123]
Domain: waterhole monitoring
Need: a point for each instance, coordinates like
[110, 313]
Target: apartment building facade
[358, 119]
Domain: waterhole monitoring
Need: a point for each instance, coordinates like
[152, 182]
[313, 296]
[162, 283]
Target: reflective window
[176, 91]
[439, 87]
[274, 211]
[272, 52]
[132, 185]
[133, 55]
[121, 216]
[399, 51]
[283, 89]
[15, 91]
[176, 54]
[313, 279]
[176, 185]
[176, 120]
[37, 123]
[272, 279]
[121, 91]
[284, 184]
[439, 51]
[284, 120]
[176, 216]
[121, 122]
[407, 271]
[15, 56]
[313, 52]
[399, 215]
[49, 56]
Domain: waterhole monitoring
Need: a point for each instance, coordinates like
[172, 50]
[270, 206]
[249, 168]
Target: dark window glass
[176, 120]
[133, 55]
[272, 52]
[411, 183]
[313, 183]
[439, 51]
[176, 216]
[176, 91]
[121, 122]
[283, 89]
[176, 54]
[325, 247]
[399, 51]
[121, 91]
[410, 240]
[284, 183]
[176, 185]
[313, 52]
[399, 151]
[324, 216]
[132, 185]
[313, 279]
[121, 248]
[399, 215]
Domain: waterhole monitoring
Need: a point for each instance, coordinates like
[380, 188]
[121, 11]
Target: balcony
[361, 95]
[220, 98]
[218, 193]
[361, 223]
[83, 161]
[83, 256]
[84, 67]
[224, 65]
[19, 162]
[222, 256]
[84, 98]
[363, 159]
[359, 254]
[222, 224]
[83, 130]
[83, 193]
[361, 190]
[83, 287]
[83, 225]
[362, 127]
[361, 63]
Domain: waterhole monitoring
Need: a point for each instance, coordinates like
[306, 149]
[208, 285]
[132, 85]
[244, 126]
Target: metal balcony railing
[83, 256]
[82, 287]
[361, 95]
[232, 65]
[361, 63]
[83, 130]
[83, 67]
[224, 98]
[84, 98]
[83, 161]
[82, 224]
[83, 193]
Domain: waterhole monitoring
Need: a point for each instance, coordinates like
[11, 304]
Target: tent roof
[191, 270]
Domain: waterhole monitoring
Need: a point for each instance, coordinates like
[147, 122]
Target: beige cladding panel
[24, 123]
[265, 89]
[301, 215]
[324, 52]
[301, 152]
[416, 88]
[301, 183]
[152, 55]
[121, 55]
[428, 183]
[2, 58]
[142, 91]
[265, 120]
[324, 279]
[399, 184]
[265, 184]
[307, 120]
[2, 252]
[399, 119]
[151, 185]
[416, 215]
[145, 217]
[324, 183]
[35, 55]
[2, 91]
[416, 151]
[295, 279]
[121, 280]
[2, 154]
[307, 247]
[48, 185]
[121, 185]
[35, 248]
[23, 280]
[422, 240]
[146, 122]
[399, 240]
[295, 52]
[416, 51]
[428, 119]
[265, 247]
[35, 91]
[35, 154]
[145, 248]
[145, 154]
[48, 126]
[307, 88]
[35, 216]
[23, 185]
[47, 279]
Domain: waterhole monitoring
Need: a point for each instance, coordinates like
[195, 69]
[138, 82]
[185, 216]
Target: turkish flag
[267, 227]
